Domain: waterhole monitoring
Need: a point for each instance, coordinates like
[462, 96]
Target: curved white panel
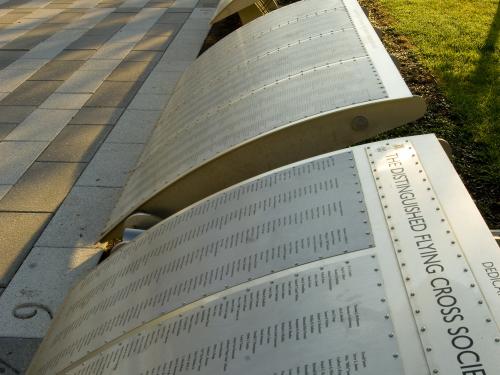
[308, 78]
[361, 258]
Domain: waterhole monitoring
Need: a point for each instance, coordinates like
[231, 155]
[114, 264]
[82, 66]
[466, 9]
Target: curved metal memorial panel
[357, 261]
[308, 78]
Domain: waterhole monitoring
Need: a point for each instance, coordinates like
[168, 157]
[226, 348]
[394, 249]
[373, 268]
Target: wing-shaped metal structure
[361, 261]
[308, 78]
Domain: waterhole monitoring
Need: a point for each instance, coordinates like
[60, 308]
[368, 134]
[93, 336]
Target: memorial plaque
[448, 306]
[287, 218]
[358, 261]
[313, 320]
[305, 79]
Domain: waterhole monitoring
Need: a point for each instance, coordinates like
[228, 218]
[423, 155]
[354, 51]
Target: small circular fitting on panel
[359, 123]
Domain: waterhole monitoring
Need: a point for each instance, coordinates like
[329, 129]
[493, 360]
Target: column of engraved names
[291, 217]
[325, 316]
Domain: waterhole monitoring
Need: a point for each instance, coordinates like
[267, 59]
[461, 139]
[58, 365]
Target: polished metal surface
[305, 79]
[316, 321]
[313, 265]
[448, 307]
[287, 218]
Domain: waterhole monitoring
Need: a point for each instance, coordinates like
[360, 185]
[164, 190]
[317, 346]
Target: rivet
[497, 339]
[435, 371]
[459, 255]
[466, 270]
[407, 279]
[428, 349]
[386, 316]
[412, 294]
[472, 285]
[391, 335]
[480, 302]
[398, 250]
[379, 284]
[403, 264]
[395, 355]
[488, 320]
[423, 329]
[382, 300]
[417, 311]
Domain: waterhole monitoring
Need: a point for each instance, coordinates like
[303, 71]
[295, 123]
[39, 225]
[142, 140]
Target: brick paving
[82, 84]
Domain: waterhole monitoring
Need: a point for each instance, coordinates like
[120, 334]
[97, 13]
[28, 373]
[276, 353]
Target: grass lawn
[458, 41]
[449, 54]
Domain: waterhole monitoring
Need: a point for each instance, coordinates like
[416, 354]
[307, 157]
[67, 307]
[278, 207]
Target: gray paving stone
[13, 16]
[179, 9]
[88, 42]
[33, 37]
[14, 114]
[31, 93]
[115, 50]
[207, 4]
[83, 81]
[134, 126]
[18, 232]
[5, 129]
[3, 190]
[65, 101]
[44, 279]
[111, 165]
[55, 44]
[71, 226]
[150, 102]
[129, 71]
[76, 143]
[16, 158]
[11, 79]
[143, 56]
[113, 94]
[27, 64]
[169, 65]
[64, 17]
[159, 4]
[160, 82]
[96, 116]
[101, 64]
[8, 57]
[57, 70]
[156, 42]
[42, 188]
[104, 29]
[16, 354]
[42, 125]
[169, 17]
[70, 55]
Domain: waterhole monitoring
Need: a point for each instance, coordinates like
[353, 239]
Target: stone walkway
[82, 83]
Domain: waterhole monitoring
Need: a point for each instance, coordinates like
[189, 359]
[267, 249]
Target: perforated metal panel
[308, 78]
[306, 269]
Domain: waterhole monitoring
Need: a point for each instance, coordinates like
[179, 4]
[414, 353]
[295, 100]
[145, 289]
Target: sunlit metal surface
[330, 260]
[308, 78]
